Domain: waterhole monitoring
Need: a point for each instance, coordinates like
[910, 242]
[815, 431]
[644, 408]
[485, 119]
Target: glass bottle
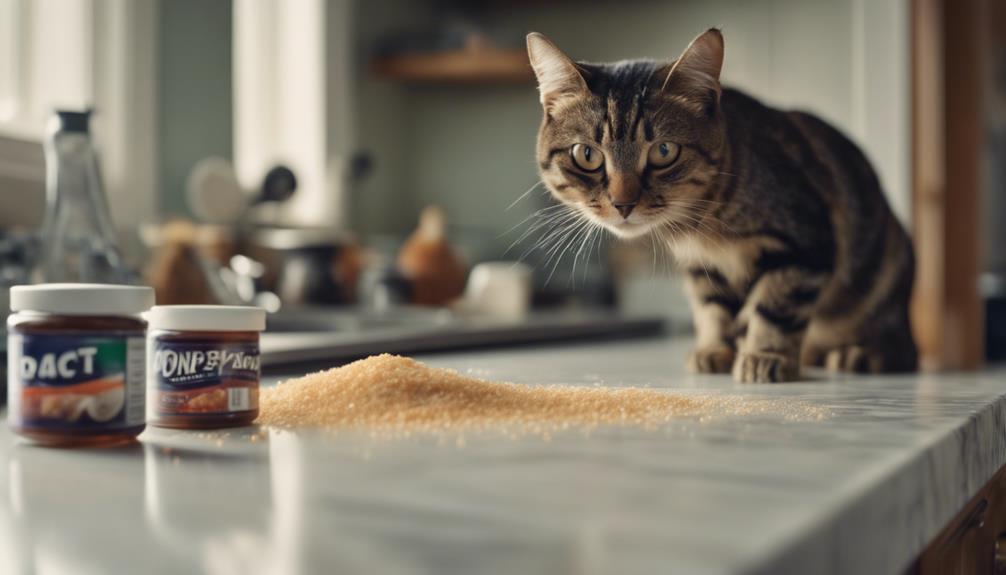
[78, 239]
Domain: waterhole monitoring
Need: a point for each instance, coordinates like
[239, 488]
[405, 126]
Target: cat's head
[633, 146]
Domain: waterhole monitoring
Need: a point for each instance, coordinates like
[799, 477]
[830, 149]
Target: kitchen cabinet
[975, 541]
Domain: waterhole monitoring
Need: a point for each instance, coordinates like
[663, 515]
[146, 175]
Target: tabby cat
[793, 256]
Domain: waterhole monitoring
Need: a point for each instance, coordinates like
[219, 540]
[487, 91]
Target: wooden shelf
[460, 67]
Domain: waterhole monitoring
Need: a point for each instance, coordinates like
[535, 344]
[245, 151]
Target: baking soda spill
[396, 395]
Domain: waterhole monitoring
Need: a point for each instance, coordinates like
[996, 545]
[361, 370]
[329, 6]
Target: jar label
[76, 382]
[204, 378]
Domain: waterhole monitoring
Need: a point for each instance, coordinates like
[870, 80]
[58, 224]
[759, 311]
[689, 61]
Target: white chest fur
[730, 258]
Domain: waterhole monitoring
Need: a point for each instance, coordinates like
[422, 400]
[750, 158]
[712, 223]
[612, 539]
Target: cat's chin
[628, 230]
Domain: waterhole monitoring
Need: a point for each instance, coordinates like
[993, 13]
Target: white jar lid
[206, 318]
[82, 299]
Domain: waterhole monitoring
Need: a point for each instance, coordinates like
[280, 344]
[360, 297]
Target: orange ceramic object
[435, 270]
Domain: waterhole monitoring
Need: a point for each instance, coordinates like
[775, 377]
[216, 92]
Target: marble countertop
[861, 491]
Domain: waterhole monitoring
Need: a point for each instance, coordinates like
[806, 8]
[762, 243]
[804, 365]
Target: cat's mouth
[631, 227]
[628, 229]
[639, 223]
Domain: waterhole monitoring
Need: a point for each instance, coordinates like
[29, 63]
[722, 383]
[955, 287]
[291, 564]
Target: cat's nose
[625, 208]
[624, 192]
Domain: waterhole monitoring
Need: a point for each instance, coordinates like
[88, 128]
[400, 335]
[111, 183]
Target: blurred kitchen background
[307, 137]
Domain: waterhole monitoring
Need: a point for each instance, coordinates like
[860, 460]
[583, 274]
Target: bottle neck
[72, 180]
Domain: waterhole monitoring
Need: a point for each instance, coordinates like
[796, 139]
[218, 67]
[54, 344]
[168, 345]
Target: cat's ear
[697, 71]
[557, 74]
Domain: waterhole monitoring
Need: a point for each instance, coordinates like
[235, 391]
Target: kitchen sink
[332, 336]
[350, 320]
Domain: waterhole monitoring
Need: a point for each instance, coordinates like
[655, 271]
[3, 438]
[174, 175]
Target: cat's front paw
[765, 367]
[711, 360]
[854, 359]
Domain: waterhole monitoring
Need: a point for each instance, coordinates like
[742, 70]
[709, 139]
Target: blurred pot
[317, 266]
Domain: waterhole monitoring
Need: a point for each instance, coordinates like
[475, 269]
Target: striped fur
[792, 254]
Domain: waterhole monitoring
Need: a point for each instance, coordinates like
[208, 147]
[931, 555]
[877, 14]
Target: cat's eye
[586, 158]
[663, 154]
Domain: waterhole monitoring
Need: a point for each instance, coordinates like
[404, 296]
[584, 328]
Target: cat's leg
[812, 354]
[870, 333]
[714, 309]
[854, 358]
[881, 344]
[898, 351]
[777, 314]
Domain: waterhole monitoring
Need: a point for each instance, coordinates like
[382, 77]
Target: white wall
[194, 92]
[386, 201]
[293, 101]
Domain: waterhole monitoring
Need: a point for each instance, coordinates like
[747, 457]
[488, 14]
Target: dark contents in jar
[80, 379]
[205, 379]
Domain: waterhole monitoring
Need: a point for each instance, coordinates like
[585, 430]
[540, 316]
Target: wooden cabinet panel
[975, 541]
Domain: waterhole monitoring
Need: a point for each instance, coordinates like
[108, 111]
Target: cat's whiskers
[668, 256]
[689, 211]
[703, 229]
[566, 226]
[571, 238]
[555, 224]
[536, 214]
[670, 239]
[655, 238]
[707, 215]
[562, 236]
[552, 238]
[557, 234]
[548, 216]
[586, 248]
[600, 242]
[545, 217]
[664, 245]
[570, 242]
[546, 236]
[595, 239]
[591, 228]
[524, 195]
[701, 261]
